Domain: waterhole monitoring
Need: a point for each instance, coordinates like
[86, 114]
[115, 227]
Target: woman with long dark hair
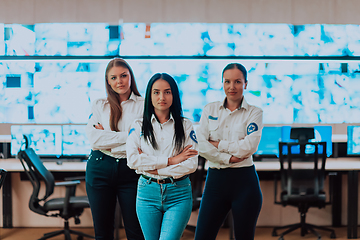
[162, 147]
[108, 178]
[229, 134]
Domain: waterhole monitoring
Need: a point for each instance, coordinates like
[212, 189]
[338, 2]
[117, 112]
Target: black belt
[165, 180]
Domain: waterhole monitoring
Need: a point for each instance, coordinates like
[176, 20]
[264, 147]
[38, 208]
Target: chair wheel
[80, 238]
[332, 235]
[274, 233]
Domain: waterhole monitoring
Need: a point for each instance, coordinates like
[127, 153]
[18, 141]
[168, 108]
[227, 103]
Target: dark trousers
[237, 189]
[109, 179]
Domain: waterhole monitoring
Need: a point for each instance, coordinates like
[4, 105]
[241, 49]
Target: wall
[210, 11]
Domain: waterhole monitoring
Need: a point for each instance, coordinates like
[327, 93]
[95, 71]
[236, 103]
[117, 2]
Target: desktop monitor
[321, 134]
[269, 143]
[353, 140]
[44, 139]
[75, 141]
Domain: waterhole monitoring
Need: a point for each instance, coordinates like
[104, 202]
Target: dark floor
[262, 233]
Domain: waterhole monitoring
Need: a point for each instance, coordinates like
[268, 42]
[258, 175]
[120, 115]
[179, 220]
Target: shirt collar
[243, 104]
[133, 96]
[153, 118]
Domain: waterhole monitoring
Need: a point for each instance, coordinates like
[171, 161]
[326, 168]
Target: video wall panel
[179, 39]
[61, 92]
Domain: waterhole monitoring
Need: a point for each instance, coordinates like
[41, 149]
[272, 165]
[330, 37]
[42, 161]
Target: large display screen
[269, 143]
[321, 134]
[55, 141]
[75, 141]
[61, 92]
[44, 139]
[353, 140]
[179, 39]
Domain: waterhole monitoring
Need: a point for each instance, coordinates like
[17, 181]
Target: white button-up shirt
[151, 158]
[238, 133]
[102, 140]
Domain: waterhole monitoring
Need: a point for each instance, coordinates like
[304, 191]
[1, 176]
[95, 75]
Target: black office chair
[197, 179]
[70, 206]
[3, 173]
[302, 185]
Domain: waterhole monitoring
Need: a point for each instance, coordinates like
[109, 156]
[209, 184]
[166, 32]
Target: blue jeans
[163, 210]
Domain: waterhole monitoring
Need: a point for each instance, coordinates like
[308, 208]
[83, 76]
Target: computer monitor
[74, 141]
[353, 140]
[269, 143]
[44, 139]
[321, 134]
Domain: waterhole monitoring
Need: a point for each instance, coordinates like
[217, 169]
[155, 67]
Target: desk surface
[14, 165]
[332, 164]
[336, 164]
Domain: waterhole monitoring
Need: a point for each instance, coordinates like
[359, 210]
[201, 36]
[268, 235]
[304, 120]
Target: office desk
[349, 166]
[14, 165]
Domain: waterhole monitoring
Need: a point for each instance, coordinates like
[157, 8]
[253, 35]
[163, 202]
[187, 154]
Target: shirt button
[162, 138]
[117, 160]
[226, 126]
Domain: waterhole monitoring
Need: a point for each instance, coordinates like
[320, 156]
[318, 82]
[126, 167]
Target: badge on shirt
[253, 127]
[213, 118]
[90, 115]
[131, 130]
[193, 136]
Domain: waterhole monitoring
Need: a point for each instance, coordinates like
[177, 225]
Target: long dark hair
[175, 110]
[113, 97]
[238, 66]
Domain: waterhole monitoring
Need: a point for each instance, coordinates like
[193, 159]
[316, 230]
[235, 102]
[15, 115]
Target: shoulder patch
[193, 136]
[253, 127]
[213, 118]
[131, 130]
[90, 115]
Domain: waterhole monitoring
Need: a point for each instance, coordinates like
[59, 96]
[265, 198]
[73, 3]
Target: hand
[186, 153]
[214, 143]
[234, 159]
[98, 126]
[155, 171]
[139, 150]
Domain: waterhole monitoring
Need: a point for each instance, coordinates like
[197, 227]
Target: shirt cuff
[162, 162]
[225, 159]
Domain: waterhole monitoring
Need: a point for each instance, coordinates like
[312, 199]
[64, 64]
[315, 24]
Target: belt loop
[148, 180]
[172, 180]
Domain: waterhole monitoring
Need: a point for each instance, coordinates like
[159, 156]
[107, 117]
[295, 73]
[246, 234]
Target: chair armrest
[70, 191]
[75, 178]
[67, 183]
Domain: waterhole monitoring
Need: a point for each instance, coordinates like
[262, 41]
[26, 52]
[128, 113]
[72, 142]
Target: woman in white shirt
[162, 146]
[229, 134]
[108, 178]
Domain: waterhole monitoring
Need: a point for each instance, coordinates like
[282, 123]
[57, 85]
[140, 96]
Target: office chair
[197, 179]
[66, 207]
[302, 185]
[2, 176]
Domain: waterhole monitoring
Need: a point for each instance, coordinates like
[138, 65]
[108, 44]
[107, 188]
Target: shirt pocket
[237, 134]
[214, 130]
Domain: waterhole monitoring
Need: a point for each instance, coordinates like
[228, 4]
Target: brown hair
[113, 97]
[237, 66]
